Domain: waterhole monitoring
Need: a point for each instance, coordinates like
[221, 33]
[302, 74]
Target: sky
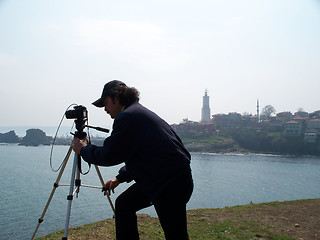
[54, 53]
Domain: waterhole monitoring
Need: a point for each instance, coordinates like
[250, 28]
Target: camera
[79, 112]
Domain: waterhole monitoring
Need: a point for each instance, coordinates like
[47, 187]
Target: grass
[203, 224]
[207, 140]
[203, 227]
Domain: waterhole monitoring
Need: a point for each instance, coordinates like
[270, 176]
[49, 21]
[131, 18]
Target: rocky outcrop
[9, 137]
[35, 137]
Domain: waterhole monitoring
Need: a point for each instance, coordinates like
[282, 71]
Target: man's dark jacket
[153, 154]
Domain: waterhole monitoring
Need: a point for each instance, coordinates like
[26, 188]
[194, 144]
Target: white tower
[205, 113]
[258, 112]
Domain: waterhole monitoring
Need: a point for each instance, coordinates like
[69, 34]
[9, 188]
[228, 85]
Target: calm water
[220, 180]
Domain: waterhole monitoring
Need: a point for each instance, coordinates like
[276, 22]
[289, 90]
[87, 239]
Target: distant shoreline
[49, 130]
[192, 145]
[191, 152]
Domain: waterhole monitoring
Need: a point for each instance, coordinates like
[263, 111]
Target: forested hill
[248, 141]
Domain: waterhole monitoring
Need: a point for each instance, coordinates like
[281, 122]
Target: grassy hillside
[277, 220]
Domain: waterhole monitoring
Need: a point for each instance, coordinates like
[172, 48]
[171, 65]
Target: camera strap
[80, 169]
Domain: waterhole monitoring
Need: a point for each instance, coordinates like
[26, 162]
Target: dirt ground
[299, 219]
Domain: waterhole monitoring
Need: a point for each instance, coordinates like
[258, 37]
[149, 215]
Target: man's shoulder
[137, 110]
[135, 114]
[131, 111]
[135, 107]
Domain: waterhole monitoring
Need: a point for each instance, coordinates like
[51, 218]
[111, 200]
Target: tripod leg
[56, 184]
[78, 180]
[102, 183]
[70, 196]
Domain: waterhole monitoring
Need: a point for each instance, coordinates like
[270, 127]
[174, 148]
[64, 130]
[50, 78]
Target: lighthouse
[205, 111]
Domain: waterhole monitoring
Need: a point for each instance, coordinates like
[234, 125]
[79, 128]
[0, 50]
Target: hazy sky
[57, 52]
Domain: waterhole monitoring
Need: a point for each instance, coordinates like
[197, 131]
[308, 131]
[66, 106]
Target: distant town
[265, 132]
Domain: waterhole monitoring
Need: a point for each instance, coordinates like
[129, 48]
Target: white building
[205, 111]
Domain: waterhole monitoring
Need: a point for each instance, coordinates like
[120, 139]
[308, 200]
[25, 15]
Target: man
[154, 158]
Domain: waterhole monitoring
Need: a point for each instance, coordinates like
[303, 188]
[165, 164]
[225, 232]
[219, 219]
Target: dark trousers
[170, 208]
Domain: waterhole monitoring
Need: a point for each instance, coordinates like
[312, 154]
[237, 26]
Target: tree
[267, 111]
[315, 114]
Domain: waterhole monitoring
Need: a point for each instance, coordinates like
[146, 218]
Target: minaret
[205, 116]
[258, 113]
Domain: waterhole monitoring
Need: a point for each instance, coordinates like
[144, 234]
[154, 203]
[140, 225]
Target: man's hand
[78, 144]
[110, 185]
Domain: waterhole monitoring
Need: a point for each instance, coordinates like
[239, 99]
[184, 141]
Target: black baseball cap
[106, 91]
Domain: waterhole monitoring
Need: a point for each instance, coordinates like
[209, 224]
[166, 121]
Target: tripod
[75, 184]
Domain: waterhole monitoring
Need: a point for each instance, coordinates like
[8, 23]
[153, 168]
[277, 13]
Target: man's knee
[121, 204]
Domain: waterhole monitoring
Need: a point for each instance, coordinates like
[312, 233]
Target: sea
[27, 177]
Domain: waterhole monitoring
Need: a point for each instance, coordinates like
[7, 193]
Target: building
[292, 129]
[313, 131]
[275, 125]
[310, 137]
[188, 126]
[232, 120]
[314, 123]
[205, 111]
[284, 116]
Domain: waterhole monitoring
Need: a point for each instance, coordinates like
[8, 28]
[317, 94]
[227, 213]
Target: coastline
[239, 152]
[205, 144]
